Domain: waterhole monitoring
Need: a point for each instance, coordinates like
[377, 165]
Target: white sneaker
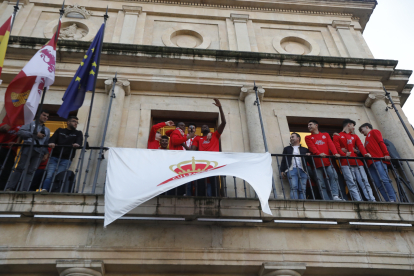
[337, 198]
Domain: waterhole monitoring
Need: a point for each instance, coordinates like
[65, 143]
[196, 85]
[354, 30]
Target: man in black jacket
[294, 167]
[62, 156]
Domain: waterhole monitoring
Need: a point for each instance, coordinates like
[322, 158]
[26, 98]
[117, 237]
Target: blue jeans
[297, 181]
[53, 163]
[333, 181]
[349, 175]
[384, 186]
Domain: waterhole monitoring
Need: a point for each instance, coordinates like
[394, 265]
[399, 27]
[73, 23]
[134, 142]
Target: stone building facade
[172, 58]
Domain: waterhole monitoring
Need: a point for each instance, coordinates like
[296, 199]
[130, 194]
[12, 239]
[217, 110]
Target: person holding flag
[21, 102]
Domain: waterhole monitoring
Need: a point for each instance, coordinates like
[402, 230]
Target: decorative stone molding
[84, 30]
[373, 97]
[186, 36]
[341, 24]
[135, 10]
[246, 89]
[297, 44]
[239, 18]
[80, 268]
[76, 11]
[282, 269]
[244, 8]
[123, 84]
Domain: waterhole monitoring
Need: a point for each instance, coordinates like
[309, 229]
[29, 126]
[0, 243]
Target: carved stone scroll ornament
[76, 11]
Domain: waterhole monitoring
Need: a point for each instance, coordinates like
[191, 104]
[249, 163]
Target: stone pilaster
[80, 268]
[242, 33]
[282, 269]
[122, 89]
[130, 24]
[344, 30]
[254, 129]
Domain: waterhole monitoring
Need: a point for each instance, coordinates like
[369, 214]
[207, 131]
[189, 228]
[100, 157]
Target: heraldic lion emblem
[19, 98]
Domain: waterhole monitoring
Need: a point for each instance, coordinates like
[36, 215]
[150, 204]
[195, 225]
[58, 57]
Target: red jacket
[374, 144]
[320, 143]
[349, 141]
[176, 140]
[152, 143]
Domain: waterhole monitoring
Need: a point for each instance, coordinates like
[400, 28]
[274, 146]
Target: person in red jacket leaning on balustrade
[320, 144]
[155, 136]
[374, 144]
[353, 169]
[178, 137]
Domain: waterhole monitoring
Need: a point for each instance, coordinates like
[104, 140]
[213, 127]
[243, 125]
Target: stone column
[343, 28]
[282, 269]
[80, 268]
[122, 89]
[242, 33]
[130, 23]
[389, 127]
[252, 116]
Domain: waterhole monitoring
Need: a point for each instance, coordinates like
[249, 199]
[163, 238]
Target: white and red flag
[23, 94]
[137, 175]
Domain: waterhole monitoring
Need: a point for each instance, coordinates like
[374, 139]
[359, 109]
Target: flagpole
[16, 8]
[257, 102]
[90, 108]
[104, 134]
[39, 109]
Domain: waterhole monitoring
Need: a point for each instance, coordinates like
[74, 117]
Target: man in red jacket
[155, 136]
[178, 137]
[320, 144]
[374, 144]
[209, 142]
[353, 169]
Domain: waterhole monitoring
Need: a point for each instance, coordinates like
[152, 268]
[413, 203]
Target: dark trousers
[207, 186]
[8, 165]
[34, 162]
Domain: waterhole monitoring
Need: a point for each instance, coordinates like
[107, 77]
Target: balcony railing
[354, 183]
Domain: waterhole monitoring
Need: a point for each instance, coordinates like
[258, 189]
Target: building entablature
[219, 71]
[360, 10]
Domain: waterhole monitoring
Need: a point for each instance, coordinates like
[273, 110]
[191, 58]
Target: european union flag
[84, 78]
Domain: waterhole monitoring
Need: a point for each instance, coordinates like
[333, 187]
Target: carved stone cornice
[373, 97]
[246, 89]
[135, 10]
[239, 18]
[341, 24]
[125, 85]
[248, 8]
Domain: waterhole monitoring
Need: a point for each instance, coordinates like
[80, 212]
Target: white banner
[134, 176]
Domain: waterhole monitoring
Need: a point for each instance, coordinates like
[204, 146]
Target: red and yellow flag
[4, 41]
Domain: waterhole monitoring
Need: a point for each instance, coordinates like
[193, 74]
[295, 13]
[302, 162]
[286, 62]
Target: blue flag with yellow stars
[84, 78]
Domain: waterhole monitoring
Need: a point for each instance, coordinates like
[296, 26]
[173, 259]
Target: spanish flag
[4, 40]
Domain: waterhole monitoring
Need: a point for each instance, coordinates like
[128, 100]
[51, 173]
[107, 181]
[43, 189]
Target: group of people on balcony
[176, 139]
[301, 170]
[34, 159]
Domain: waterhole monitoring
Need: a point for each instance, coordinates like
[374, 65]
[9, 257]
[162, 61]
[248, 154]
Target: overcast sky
[390, 35]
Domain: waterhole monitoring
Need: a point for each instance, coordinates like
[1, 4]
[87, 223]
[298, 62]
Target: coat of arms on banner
[192, 167]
